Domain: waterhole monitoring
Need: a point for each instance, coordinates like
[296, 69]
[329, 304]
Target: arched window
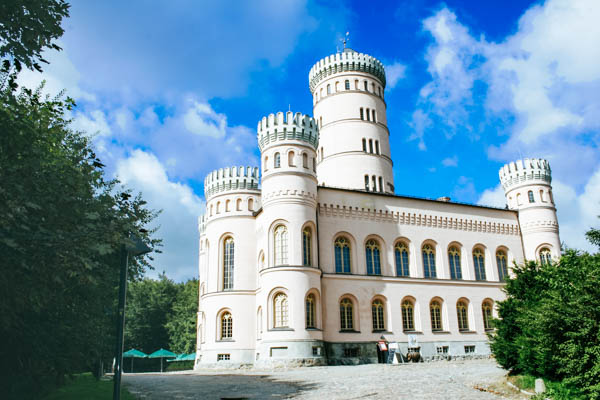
[367, 183]
[310, 311]
[280, 306]
[368, 114]
[291, 159]
[454, 258]
[226, 326]
[366, 86]
[435, 309]
[373, 114]
[429, 261]
[376, 145]
[463, 316]
[281, 245]
[486, 309]
[530, 195]
[306, 247]
[346, 316]
[362, 115]
[479, 263]
[408, 316]
[228, 257]
[250, 204]
[401, 256]
[328, 89]
[347, 84]
[277, 160]
[502, 265]
[218, 207]
[238, 205]
[380, 179]
[373, 254]
[305, 160]
[342, 255]
[337, 88]
[378, 315]
[519, 201]
[374, 182]
[227, 205]
[364, 143]
[266, 164]
[370, 145]
[545, 256]
[314, 160]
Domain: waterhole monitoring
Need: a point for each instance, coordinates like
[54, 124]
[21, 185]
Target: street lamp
[136, 248]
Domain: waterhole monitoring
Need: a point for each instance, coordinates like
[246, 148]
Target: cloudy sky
[172, 90]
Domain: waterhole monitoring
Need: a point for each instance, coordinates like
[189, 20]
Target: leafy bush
[180, 366]
[549, 323]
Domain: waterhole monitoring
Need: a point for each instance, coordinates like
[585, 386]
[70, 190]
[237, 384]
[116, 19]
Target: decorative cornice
[282, 127]
[342, 62]
[418, 219]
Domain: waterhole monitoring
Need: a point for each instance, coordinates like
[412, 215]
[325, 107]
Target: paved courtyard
[434, 380]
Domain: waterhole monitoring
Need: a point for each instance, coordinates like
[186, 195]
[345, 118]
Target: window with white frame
[280, 307]
[281, 245]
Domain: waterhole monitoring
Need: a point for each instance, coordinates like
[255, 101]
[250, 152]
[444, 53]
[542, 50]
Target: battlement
[231, 179]
[526, 170]
[288, 126]
[349, 60]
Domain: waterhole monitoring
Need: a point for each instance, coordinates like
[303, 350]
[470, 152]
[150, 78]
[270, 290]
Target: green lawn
[85, 386]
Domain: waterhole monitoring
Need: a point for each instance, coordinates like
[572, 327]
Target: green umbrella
[162, 353]
[180, 357]
[133, 353]
[189, 357]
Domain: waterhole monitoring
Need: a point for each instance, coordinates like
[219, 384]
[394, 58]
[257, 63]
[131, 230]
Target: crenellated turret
[527, 186]
[232, 191]
[350, 110]
[287, 127]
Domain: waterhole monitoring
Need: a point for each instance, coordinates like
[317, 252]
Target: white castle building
[319, 262]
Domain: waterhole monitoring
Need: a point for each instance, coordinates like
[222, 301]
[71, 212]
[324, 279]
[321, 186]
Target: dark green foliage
[161, 314]
[62, 226]
[550, 322]
[180, 366]
[182, 321]
[27, 27]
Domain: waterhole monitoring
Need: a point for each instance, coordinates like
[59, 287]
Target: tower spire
[345, 40]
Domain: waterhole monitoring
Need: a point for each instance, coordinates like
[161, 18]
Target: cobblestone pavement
[434, 380]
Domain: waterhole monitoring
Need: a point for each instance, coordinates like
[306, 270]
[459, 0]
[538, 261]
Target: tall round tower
[349, 107]
[288, 299]
[527, 188]
[227, 278]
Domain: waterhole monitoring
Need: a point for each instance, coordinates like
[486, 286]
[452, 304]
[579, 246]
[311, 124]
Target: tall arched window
[408, 316]
[373, 254]
[486, 310]
[304, 160]
[280, 307]
[380, 179]
[366, 183]
[346, 315]
[463, 316]
[530, 196]
[435, 309]
[328, 89]
[376, 144]
[306, 247]
[310, 311]
[226, 326]
[291, 156]
[228, 258]
[347, 84]
[342, 255]
[401, 256]
[502, 265]
[250, 204]
[479, 263]
[238, 205]
[362, 113]
[366, 86]
[545, 256]
[378, 315]
[364, 143]
[281, 245]
[454, 258]
[277, 160]
[429, 261]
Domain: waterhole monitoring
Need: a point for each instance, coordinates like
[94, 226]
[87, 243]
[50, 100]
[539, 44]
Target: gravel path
[434, 380]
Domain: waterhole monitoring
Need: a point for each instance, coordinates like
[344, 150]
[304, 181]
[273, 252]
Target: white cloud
[143, 172]
[202, 120]
[450, 162]
[394, 73]
[94, 124]
[493, 197]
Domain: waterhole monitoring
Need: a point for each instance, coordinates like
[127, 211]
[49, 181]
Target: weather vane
[346, 39]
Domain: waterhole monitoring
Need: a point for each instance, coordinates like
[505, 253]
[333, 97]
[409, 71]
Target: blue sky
[172, 90]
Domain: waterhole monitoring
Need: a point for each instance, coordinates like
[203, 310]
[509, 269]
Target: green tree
[181, 325]
[62, 226]
[149, 304]
[27, 27]
[549, 323]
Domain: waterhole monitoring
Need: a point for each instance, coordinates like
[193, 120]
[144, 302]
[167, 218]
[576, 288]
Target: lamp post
[137, 248]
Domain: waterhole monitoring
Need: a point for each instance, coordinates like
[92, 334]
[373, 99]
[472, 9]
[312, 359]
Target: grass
[85, 386]
[554, 390]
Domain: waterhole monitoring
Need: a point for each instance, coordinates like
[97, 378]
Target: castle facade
[312, 259]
